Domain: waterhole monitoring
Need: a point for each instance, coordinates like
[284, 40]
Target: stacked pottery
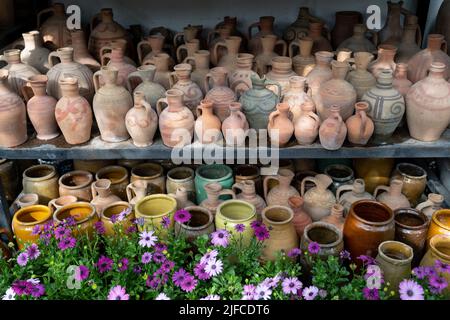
[207, 125]
[34, 54]
[201, 223]
[318, 200]
[279, 194]
[220, 94]
[213, 193]
[307, 124]
[25, 220]
[359, 126]
[414, 180]
[296, 96]
[401, 82]
[346, 195]
[280, 127]
[141, 121]
[119, 179]
[336, 217]
[431, 205]
[117, 60]
[241, 79]
[301, 218]
[80, 50]
[152, 90]
[361, 79]
[102, 195]
[281, 72]
[265, 27]
[77, 184]
[42, 180]
[54, 30]
[333, 130]
[181, 79]
[321, 72]
[162, 75]
[235, 127]
[385, 60]
[358, 41]
[248, 194]
[229, 60]
[212, 173]
[304, 62]
[393, 196]
[200, 60]
[264, 59]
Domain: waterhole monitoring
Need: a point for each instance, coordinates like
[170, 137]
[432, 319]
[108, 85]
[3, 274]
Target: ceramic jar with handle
[119, 179]
[207, 125]
[318, 200]
[431, 205]
[220, 33]
[26, 219]
[296, 97]
[320, 73]
[332, 131]
[384, 61]
[76, 183]
[241, 79]
[60, 202]
[248, 194]
[265, 27]
[340, 174]
[152, 90]
[54, 30]
[346, 195]
[102, 195]
[156, 44]
[34, 53]
[410, 44]
[359, 126]
[229, 60]
[280, 127]
[281, 72]
[393, 197]
[80, 50]
[401, 82]
[201, 223]
[141, 121]
[232, 212]
[181, 79]
[247, 172]
[321, 43]
[235, 127]
[200, 60]
[26, 200]
[280, 194]
[361, 79]
[299, 28]
[162, 63]
[187, 49]
[136, 191]
[220, 94]
[212, 173]
[114, 56]
[213, 191]
[264, 59]
[358, 41]
[414, 180]
[306, 128]
[304, 62]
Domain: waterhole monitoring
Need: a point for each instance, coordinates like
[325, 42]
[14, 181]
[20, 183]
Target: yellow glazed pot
[116, 208]
[153, 209]
[440, 224]
[232, 212]
[26, 219]
[84, 215]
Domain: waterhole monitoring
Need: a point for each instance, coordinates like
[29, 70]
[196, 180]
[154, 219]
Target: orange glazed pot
[84, 215]
[440, 224]
[26, 219]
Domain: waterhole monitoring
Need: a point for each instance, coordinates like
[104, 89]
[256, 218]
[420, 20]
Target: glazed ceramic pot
[13, 116]
[150, 172]
[367, 225]
[114, 57]
[283, 236]
[212, 173]
[229, 60]
[375, 172]
[411, 228]
[306, 127]
[393, 197]
[401, 81]
[248, 194]
[141, 121]
[343, 28]
[246, 172]
[76, 183]
[114, 209]
[153, 209]
[181, 177]
[235, 127]
[340, 174]
[440, 224]
[41, 180]
[394, 259]
[181, 79]
[385, 60]
[301, 218]
[201, 223]
[336, 217]
[265, 27]
[102, 195]
[119, 179]
[358, 41]
[34, 54]
[318, 200]
[200, 60]
[84, 215]
[320, 73]
[152, 90]
[80, 50]
[296, 96]
[220, 94]
[60, 202]
[414, 181]
[346, 195]
[176, 122]
[359, 126]
[280, 127]
[232, 212]
[54, 30]
[281, 72]
[431, 205]
[207, 125]
[241, 79]
[361, 79]
[264, 59]
[279, 194]
[428, 105]
[258, 102]
[136, 191]
[215, 195]
[332, 131]
[304, 62]
[26, 219]
[162, 75]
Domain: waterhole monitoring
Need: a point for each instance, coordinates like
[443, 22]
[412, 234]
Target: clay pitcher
[296, 96]
[320, 42]
[336, 217]
[161, 61]
[307, 125]
[241, 79]
[279, 194]
[189, 47]
[54, 30]
[152, 90]
[156, 44]
[235, 127]
[333, 130]
[34, 54]
[214, 191]
[280, 127]
[393, 196]
[136, 191]
[141, 121]
[80, 50]
[248, 194]
[265, 27]
[360, 127]
[220, 94]
[301, 218]
[116, 59]
[431, 205]
[318, 200]
[264, 59]
[320, 73]
[228, 61]
[200, 60]
[102, 195]
[181, 79]
[391, 33]
[304, 62]
[401, 82]
[207, 125]
[385, 60]
[361, 79]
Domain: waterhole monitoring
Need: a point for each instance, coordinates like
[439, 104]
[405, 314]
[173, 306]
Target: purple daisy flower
[167, 265]
[344, 255]
[160, 247]
[146, 258]
[367, 260]
[104, 264]
[70, 221]
[165, 222]
[313, 247]
[182, 216]
[147, 239]
[442, 267]
[256, 224]
[208, 256]
[137, 269]
[22, 259]
[81, 273]
[36, 230]
[438, 283]
[249, 289]
[123, 265]
[272, 282]
[140, 221]
[293, 253]
[159, 257]
[200, 272]
[214, 267]
[162, 296]
[239, 227]
[123, 214]
[220, 238]
[262, 292]
[410, 290]
[371, 294]
[179, 276]
[45, 237]
[37, 290]
[291, 285]
[131, 229]
[419, 272]
[310, 293]
[48, 226]
[430, 271]
[118, 293]
[189, 283]
[153, 282]
[67, 243]
[21, 287]
[33, 252]
[262, 233]
[62, 232]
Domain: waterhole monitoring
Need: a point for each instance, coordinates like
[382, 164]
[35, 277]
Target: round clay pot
[201, 223]
[153, 209]
[235, 127]
[280, 127]
[359, 126]
[280, 193]
[439, 224]
[141, 121]
[414, 181]
[114, 209]
[207, 125]
[41, 180]
[76, 183]
[60, 202]
[150, 172]
[332, 131]
[84, 214]
[318, 200]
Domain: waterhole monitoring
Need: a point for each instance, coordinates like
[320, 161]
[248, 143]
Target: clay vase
[391, 33]
[141, 121]
[13, 115]
[153, 209]
[213, 192]
[73, 113]
[264, 59]
[361, 79]
[394, 259]
[235, 127]
[428, 105]
[385, 60]
[201, 223]
[152, 90]
[176, 122]
[77, 184]
[214, 37]
[332, 131]
[232, 212]
[343, 28]
[189, 48]
[420, 63]
[431, 205]
[68, 66]
[212, 173]
[374, 172]
[220, 94]
[386, 106]
[116, 59]
[441, 21]
[240, 80]
[359, 126]
[401, 82]
[307, 125]
[18, 72]
[114, 209]
[258, 102]
[409, 45]
[111, 104]
[156, 44]
[119, 179]
[25, 220]
[248, 194]
[34, 54]
[414, 181]
[104, 32]
[279, 194]
[367, 225]
[41, 109]
[207, 125]
[102, 195]
[321, 72]
[26, 200]
[439, 224]
[304, 62]
[181, 79]
[336, 91]
[84, 215]
[346, 195]
[393, 196]
[281, 72]
[181, 178]
[136, 191]
[283, 236]
[161, 61]
[54, 30]
[299, 28]
[280, 127]
[301, 218]
[200, 60]
[336, 217]
[318, 200]
[229, 60]
[357, 42]
[265, 27]
[80, 50]
[411, 228]
[296, 96]
[189, 33]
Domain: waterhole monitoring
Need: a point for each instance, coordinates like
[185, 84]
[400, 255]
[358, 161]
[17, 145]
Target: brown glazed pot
[119, 179]
[76, 183]
[368, 224]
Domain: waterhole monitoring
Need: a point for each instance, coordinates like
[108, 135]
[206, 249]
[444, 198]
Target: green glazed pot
[219, 173]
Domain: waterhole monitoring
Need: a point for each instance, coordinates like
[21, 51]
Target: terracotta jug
[401, 82]
[248, 193]
[214, 37]
[258, 102]
[428, 105]
[247, 172]
[102, 195]
[13, 115]
[190, 32]
[279, 194]
[393, 196]
[181, 195]
[318, 200]
[73, 113]
[189, 48]
[116, 59]
[111, 104]
[136, 191]
[41, 109]
[201, 223]
[281, 72]
[152, 90]
[321, 72]
[264, 59]
[361, 79]
[68, 66]
[386, 106]
[346, 195]
[431, 205]
[235, 127]
[300, 27]
[358, 41]
[207, 125]
[214, 191]
[409, 45]
[231, 23]
[336, 217]
[181, 79]
[240, 80]
[141, 121]
[200, 60]
[104, 32]
[78, 184]
[34, 54]
[119, 178]
[106, 53]
[336, 91]
[220, 94]
[420, 63]
[54, 30]
[296, 96]
[80, 50]
[343, 28]
[304, 62]
[161, 61]
[283, 236]
[414, 180]
[391, 33]
[176, 122]
[280, 127]
[442, 19]
[229, 60]
[307, 125]
[18, 72]
[321, 43]
[332, 131]
[301, 218]
[265, 27]
[25, 220]
[385, 60]
[359, 126]
[156, 44]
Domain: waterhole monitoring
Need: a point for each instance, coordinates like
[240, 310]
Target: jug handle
[103, 57]
[139, 50]
[190, 60]
[159, 104]
[281, 42]
[53, 54]
[206, 84]
[362, 129]
[380, 188]
[419, 36]
[274, 83]
[316, 118]
[293, 44]
[199, 110]
[341, 189]
[237, 186]
[175, 38]
[215, 57]
[172, 78]
[252, 26]
[273, 115]
[225, 192]
[51, 205]
[302, 186]
[39, 15]
[179, 49]
[266, 184]
[424, 205]
[96, 80]
[210, 36]
[93, 191]
[129, 191]
[134, 74]
[26, 93]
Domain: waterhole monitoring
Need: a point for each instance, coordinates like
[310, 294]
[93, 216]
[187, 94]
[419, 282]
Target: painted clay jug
[228, 60]
[54, 30]
[361, 79]
[152, 90]
[200, 60]
[343, 28]
[358, 41]
[207, 125]
[235, 127]
[102, 195]
[346, 195]
[265, 27]
[220, 94]
[80, 50]
[318, 200]
[296, 96]
[280, 194]
[280, 127]
[336, 217]
[141, 121]
[393, 196]
[431, 205]
[281, 72]
[385, 60]
[264, 59]
[301, 218]
[214, 191]
[401, 82]
[248, 194]
[116, 60]
[307, 124]
[321, 72]
[34, 54]
[240, 79]
[332, 131]
[161, 61]
[304, 62]
[359, 126]
[181, 79]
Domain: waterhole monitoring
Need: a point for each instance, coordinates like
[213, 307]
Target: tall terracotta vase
[80, 50]
[279, 194]
[161, 61]
[264, 59]
[321, 43]
[207, 125]
[442, 21]
[361, 79]
[360, 127]
[281, 72]
[200, 60]
[141, 121]
[220, 94]
[307, 124]
[111, 104]
[304, 62]
[241, 78]
[333, 130]
[343, 28]
[265, 27]
[358, 41]
[73, 113]
[280, 127]
[385, 60]
[117, 60]
[321, 72]
[235, 127]
[13, 116]
[296, 96]
[229, 60]
[391, 33]
[318, 200]
[181, 79]
[34, 54]
[393, 196]
[54, 30]
[401, 81]
[152, 90]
